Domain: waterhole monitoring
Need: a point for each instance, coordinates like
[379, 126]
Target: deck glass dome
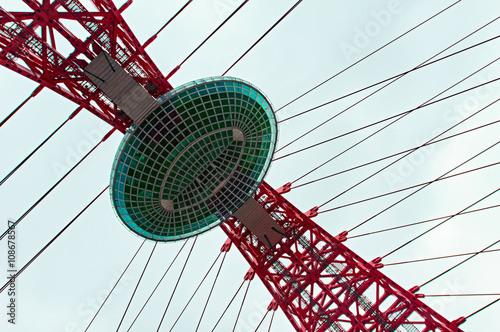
[193, 161]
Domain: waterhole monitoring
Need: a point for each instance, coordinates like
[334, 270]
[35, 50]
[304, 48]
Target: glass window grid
[209, 120]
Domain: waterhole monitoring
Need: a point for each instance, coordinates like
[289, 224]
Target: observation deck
[194, 160]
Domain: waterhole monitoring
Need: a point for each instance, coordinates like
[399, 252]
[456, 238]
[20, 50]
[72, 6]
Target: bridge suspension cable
[157, 285]
[114, 286]
[53, 187]
[18, 273]
[388, 79]
[423, 221]
[390, 118]
[384, 86]
[369, 55]
[177, 283]
[441, 223]
[137, 286]
[262, 37]
[379, 130]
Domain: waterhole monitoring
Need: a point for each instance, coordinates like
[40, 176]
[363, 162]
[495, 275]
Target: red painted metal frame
[321, 285]
[28, 47]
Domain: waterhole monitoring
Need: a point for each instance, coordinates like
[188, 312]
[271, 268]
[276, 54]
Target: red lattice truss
[318, 282]
[321, 285]
[28, 47]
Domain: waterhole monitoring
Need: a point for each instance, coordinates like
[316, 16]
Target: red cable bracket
[342, 236]
[226, 246]
[312, 212]
[272, 306]
[249, 275]
[285, 188]
[376, 263]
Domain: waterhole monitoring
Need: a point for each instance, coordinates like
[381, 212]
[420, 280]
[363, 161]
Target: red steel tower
[28, 44]
[313, 277]
[319, 283]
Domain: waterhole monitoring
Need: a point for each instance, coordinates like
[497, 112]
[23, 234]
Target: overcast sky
[63, 288]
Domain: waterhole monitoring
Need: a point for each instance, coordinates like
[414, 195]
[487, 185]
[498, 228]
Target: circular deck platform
[194, 160]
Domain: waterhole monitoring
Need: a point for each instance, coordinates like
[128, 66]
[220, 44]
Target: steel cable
[423, 221]
[17, 274]
[428, 143]
[196, 290]
[136, 286]
[228, 305]
[441, 257]
[436, 226]
[241, 306]
[390, 78]
[458, 264]
[114, 286]
[32, 152]
[211, 290]
[384, 86]
[262, 37]
[425, 186]
[157, 285]
[48, 191]
[367, 56]
[400, 158]
[177, 284]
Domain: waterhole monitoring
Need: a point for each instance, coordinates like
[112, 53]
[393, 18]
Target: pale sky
[63, 288]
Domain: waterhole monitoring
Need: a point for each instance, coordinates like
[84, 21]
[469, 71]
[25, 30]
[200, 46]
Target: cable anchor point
[342, 236]
[376, 263]
[226, 246]
[285, 188]
[312, 212]
[249, 275]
